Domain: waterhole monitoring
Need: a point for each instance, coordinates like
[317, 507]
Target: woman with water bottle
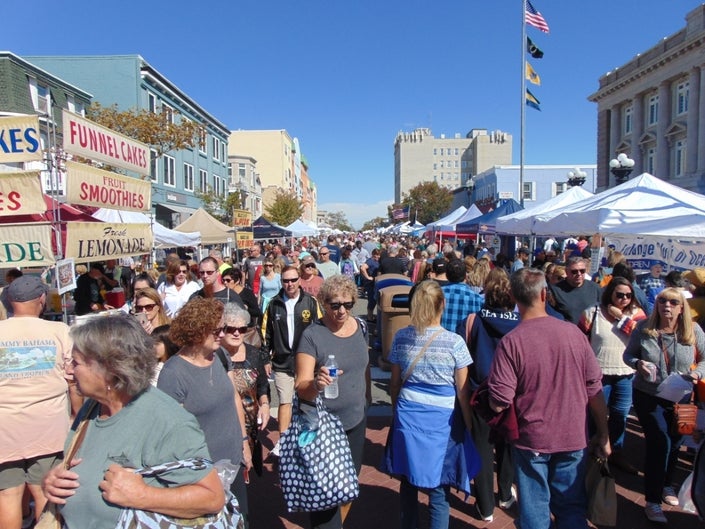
[332, 359]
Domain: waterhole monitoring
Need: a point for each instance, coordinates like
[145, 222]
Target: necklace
[211, 376]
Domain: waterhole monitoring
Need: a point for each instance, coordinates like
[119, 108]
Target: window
[628, 120]
[442, 164]
[464, 164]
[652, 115]
[679, 158]
[528, 191]
[435, 151]
[188, 177]
[43, 97]
[441, 152]
[203, 141]
[456, 164]
[435, 166]
[682, 94]
[217, 188]
[216, 149]
[168, 113]
[152, 103]
[223, 157]
[559, 187]
[169, 171]
[203, 180]
[241, 172]
[456, 151]
[651, 160]
[153, 165]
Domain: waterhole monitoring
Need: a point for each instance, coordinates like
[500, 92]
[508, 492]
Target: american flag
[534, 18]
[400, 213]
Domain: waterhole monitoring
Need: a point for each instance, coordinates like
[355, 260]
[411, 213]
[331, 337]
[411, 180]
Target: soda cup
[653, 372]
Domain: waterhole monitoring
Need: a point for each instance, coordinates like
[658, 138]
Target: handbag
[685, 416]
[229, 516]
[51, 517]
[320, 475]
[602, 493]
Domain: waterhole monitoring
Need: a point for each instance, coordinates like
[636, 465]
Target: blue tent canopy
[487, 222]
[263, 229]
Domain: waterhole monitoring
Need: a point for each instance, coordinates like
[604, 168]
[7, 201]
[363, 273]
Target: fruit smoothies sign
[87, 241]
[19, 139]
[88, 139]
[21, 194]
[95, 187]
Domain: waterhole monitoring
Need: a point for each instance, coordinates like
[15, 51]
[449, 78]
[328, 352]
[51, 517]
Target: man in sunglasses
[327, 267]
[574, 294]
[287, 315]
[213, 287]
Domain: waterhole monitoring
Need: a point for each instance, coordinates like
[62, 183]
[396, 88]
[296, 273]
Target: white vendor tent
[212, 230]
[522, 222]
[643, 206]
[471, 213]
[298, 228]
[448, 219]
[163, 236]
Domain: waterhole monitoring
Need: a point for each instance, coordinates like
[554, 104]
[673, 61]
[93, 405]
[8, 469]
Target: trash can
[394, 309]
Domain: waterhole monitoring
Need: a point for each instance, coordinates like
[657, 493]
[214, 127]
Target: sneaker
[510, 502]
[654, 513]
[488, 519]
[275, 451]
[670, 497]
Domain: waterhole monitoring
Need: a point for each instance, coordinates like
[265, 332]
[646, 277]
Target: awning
[178, 209]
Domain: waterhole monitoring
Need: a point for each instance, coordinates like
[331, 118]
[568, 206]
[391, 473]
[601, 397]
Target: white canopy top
[163, 236]
[448, 219]
[471, 213]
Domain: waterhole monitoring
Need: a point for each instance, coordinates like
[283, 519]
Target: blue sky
[345, 77]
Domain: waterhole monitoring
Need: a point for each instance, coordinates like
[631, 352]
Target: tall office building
[652, 109]
[450, 162]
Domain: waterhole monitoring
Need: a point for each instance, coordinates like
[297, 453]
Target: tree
[377, 222]
[159, 131]
[285, 208]
[219, 206]
[339, 221]
[428, 201]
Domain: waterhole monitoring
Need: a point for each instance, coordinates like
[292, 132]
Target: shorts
[284, 382]
[32, 470]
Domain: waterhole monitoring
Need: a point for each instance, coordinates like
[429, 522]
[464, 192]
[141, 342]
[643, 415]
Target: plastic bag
[227, 472]
[685, 499]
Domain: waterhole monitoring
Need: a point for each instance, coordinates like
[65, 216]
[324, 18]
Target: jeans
[618, 395]
[484, 480]
[551, 483]
[438, 506]
[662, 447]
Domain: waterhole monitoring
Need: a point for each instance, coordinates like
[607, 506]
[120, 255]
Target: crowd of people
[183, 369]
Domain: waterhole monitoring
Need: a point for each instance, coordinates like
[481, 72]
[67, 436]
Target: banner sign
[88, 139]
[242, 218]
[643, 252]
[19, 139]
[95, 187]
[25, 245]
[21, 194]
[245, 239]
[88, 241]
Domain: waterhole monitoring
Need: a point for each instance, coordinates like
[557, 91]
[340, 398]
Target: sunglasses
[216, 332]
[182, 271]
[577, 272]
[268, 264]
[336, 305]
[227, 280]
[310, 265]
[670, 301]
[206, 272]
[326, 253]
[232, 330]
[145, 308]
[623, 295]
[294, 280]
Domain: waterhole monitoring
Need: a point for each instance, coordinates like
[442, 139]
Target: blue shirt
[460, 302]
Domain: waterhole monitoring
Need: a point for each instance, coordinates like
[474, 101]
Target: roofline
[31, 66]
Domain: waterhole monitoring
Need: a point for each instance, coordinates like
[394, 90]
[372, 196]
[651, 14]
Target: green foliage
[339, 221]
[285, 208]
[377, 222]
[428, 200]
[219, 206]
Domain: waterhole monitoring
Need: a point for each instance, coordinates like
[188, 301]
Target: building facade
[25, 88]
[130, 82]
[450, 162]
[652, 109]
[244, 179]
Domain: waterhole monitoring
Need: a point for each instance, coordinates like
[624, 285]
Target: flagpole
[523, 103]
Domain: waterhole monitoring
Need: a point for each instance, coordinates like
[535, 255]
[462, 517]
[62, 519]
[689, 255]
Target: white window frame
[43, 100]
[216, 149]
[682, 95]
[188, 177]
[650, 160]
[628, 115]
[529, 190]
[559, 187]
[168, 113]
[169, 171]
[679, 152]
[152, 102]
[652, 111]
[203, 141]
[153, 166]
[203, 179]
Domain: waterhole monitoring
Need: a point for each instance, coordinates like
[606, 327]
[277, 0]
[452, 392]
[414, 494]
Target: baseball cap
[439, 266]
[308, 259]
[26, 288]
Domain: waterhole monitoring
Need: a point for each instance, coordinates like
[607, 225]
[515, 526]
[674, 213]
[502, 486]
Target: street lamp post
[576, 177]
[621, 167]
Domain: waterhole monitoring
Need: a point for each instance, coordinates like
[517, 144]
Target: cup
[653, 372]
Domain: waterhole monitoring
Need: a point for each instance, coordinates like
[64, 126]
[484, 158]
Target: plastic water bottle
[331, 391]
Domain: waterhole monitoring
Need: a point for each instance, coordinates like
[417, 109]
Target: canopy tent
[212, 230]
[448, 219]
[643, 206]
[471, 213]
[263, 229]
[486, 223]
[163, 236]
[298, 228]
[412, 229]
[522, 222]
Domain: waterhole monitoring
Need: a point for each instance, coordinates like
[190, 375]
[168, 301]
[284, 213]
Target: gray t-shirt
[352, 357]
[208, 393]
[151, 430]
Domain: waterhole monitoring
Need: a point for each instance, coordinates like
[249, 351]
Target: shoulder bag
[685, 415]
[602, 493]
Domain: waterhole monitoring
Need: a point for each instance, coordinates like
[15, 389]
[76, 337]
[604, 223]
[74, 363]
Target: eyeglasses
[232, 330]
[577, 272]
[227, 280]
[672, 302]
[310, 265]
[294, 280]
[268, 264]
[145, 308]
[336, 305]
[216, 332]
[206, 272]
[623, 295]
[323, 253]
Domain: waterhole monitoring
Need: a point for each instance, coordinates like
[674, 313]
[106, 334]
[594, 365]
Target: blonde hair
[685, 332]
[427, 302]
[480, 271]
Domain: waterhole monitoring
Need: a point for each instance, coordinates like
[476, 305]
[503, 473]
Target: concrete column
[615, 129]
[664, 120]
[701, 122]
[637, 131]
[691, 158]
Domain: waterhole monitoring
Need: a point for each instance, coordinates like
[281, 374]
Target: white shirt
[174, 298]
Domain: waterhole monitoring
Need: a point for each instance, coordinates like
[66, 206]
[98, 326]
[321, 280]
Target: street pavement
[378, 504]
